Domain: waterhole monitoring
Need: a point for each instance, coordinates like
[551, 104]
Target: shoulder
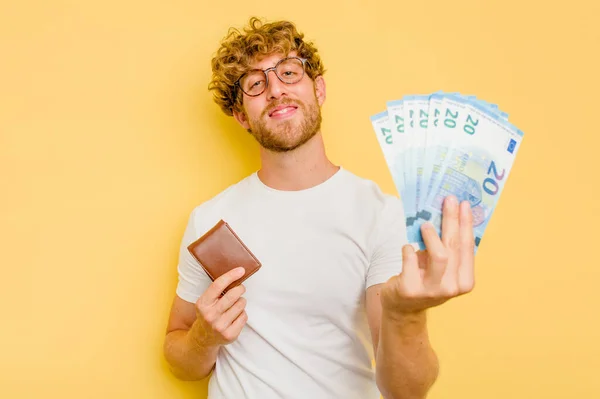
[382, 212]
[207, 213]
[370, 194]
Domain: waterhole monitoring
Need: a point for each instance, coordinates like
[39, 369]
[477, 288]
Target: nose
[276, 88]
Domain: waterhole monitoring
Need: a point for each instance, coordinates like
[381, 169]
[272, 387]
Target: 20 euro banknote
[446, 144]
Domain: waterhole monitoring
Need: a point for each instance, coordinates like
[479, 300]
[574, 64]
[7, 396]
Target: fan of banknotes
[442, 144]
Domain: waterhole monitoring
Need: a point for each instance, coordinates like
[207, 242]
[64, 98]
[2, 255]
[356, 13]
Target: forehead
[268, 61]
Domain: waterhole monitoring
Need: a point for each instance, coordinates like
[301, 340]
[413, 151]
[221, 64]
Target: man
[340, 287]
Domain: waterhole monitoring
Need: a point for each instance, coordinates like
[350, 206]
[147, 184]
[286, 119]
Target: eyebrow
[262, 69]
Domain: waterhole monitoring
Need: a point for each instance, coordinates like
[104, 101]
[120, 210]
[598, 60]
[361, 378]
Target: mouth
[283, 111]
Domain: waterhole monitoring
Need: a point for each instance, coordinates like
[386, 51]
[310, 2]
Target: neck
[302, 168]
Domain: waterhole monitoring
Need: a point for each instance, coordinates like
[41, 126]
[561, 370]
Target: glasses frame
[266, 73]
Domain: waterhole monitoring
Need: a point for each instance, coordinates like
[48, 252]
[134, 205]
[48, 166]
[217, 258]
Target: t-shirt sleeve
[388, 239]
[193, 280]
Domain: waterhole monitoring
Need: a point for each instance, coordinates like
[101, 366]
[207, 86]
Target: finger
[227, 300]
[236, 327]
[410, 264]
[423, 260]
[450, 223]
[451, 236]
[438, 253]
[466, 271]
[230, 315]
[217, 287]
[422, 256]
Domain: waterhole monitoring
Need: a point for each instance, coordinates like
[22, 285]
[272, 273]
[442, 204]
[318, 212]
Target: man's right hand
[220, 319]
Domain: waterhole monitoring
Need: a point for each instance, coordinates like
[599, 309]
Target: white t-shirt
[307, 334]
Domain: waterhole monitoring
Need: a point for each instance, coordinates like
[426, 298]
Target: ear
[320, 89]
[242, 118]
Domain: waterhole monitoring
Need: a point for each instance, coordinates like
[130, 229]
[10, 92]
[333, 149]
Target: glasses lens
[253, 83]
[290, 70]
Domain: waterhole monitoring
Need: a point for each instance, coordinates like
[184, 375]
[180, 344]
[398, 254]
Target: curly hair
[239, 50]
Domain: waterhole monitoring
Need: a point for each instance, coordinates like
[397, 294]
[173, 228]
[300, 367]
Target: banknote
[388, 139]
[395, 109]
[446, 143]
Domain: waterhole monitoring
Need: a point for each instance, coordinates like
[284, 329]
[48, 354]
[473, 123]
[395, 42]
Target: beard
[287, 135]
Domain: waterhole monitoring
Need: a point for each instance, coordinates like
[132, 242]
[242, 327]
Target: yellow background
[109, 138]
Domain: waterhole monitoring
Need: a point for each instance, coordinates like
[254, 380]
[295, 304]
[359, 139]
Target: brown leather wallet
[220, 250]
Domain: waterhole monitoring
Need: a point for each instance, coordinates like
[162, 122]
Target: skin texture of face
[284, 116]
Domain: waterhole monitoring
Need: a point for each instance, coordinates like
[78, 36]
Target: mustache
[271, 107]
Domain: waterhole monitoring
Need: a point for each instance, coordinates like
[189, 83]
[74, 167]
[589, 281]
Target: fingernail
[408, 250]
[452, 201]
[240, 270]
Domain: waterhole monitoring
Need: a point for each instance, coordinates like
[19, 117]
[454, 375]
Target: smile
[284, 111]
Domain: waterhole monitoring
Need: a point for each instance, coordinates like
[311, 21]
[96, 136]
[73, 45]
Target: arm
[187, 357]
[406, 365]
[195, 332]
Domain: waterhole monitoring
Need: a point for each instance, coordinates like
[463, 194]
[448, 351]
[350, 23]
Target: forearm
[188, 358]
[406, 365]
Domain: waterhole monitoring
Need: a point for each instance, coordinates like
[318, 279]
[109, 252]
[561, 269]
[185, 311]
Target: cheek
[309, 94]
[254, 109]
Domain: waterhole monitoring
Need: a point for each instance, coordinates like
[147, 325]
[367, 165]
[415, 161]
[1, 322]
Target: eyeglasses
[289, 70]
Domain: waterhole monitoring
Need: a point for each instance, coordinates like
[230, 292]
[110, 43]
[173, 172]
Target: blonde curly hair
[239, 50]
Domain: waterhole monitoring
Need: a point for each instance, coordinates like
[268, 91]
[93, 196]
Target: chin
[284, 141]
[297, 141]
[286, 134]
